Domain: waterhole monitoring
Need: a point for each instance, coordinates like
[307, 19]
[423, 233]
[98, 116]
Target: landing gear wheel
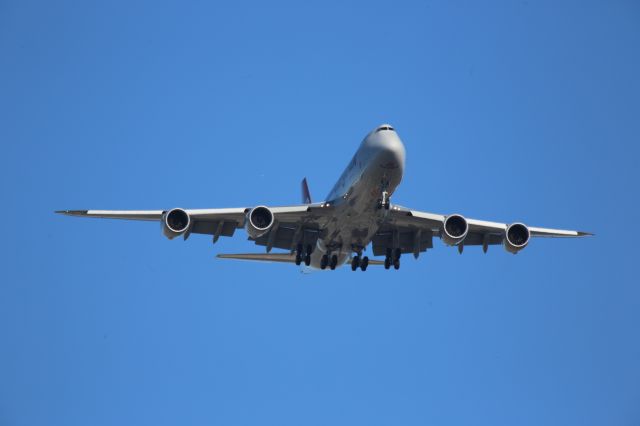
[397, 253]
[307, 255]
[324, 261]
[364, 263]
[387, 262]
[396, 264]
[355, 263]
[334, 262]
[298, 254]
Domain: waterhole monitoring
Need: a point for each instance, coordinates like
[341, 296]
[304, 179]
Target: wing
[413, 231]
[298, 223]
[216, 222]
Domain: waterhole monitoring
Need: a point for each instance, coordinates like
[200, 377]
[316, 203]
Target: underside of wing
[288, 226]
[412, 232]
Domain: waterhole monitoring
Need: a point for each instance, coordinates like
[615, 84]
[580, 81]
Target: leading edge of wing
[557, 233]
[115, 214]
[200, 214]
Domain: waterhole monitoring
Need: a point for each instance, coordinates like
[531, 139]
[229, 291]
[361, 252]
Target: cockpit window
[384, 128]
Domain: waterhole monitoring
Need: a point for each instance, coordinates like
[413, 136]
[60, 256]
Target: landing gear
[359, 262]
[299, 254]
[303, 255]
[307, 256]
[384, 201]
[392, 258]
[331, 262]
[334, 262]
[355, 263]
[364, 263]
[324, 261]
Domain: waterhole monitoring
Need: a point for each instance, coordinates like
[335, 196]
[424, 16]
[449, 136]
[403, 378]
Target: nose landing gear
[384, 201]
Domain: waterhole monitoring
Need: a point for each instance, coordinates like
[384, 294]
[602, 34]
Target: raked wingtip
[71, 212]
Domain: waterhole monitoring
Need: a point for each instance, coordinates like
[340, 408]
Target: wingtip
[585, 234]
[72, 212]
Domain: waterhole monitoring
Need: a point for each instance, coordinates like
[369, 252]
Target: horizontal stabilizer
[261, 257]
[275, 257]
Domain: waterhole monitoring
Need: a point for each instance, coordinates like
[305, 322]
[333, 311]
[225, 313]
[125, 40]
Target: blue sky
[510, 111]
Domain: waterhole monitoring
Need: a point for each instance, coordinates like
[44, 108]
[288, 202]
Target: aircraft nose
[391, 149]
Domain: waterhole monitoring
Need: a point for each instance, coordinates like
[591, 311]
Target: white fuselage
[377, 166]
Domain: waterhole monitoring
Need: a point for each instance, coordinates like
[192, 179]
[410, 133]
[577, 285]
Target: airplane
[357, 213]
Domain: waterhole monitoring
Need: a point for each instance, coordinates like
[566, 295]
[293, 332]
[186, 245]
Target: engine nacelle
[454, 229]
[259, 221]
[175, 222]
[516, 238]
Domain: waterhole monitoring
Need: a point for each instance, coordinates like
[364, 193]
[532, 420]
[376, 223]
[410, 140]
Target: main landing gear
[330, 261]
[358, 262]
[303, 255]
[392, 258]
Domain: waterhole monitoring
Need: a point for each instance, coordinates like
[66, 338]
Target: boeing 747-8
[358, 212]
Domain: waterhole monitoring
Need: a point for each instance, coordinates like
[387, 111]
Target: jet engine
[175, 222]
[454, 229]
[259, 221]
[516, 238]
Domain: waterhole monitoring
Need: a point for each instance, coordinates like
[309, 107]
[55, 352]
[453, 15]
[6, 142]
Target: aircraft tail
[306, 196]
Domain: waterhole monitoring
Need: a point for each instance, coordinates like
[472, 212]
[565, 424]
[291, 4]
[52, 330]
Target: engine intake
[516, 238]
[259, 221]
[454, 230]
[175, 222]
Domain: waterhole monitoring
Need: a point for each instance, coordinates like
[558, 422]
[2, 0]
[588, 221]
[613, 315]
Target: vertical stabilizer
[306, 196]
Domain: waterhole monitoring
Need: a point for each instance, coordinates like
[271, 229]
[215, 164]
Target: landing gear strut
[384, 201]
